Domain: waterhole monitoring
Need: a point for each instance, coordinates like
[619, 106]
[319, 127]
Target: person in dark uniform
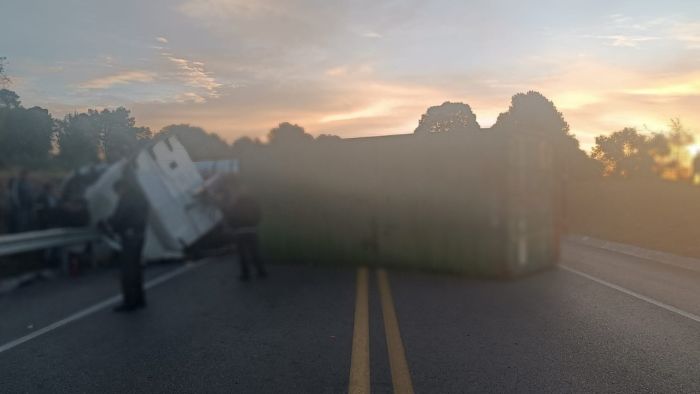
[21, 202]
[246, 215]
[129, 222]
[242, 215]
[46, 203]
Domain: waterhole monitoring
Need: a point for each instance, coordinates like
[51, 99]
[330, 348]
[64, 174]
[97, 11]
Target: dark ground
[206, 332]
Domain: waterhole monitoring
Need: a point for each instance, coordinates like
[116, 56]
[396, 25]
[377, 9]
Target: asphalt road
[604, 323]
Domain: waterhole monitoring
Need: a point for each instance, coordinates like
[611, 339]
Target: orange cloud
[121, 78]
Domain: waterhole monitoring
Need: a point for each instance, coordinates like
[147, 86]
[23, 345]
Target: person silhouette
[129, 222]
[20, 203]
[242, 215]
[247, 215]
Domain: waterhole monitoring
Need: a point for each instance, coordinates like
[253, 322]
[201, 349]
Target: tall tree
[99, 135]
[120, 137]
[679, 139]
[199, 144]
[448, 117]
[9, 99]
[4, 79]
[286, 134]
[25, 136]
[532, 113]
[78, 140]
[244, 145]
[629, 154]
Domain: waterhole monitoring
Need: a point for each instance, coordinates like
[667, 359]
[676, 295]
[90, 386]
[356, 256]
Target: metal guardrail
[45, 239]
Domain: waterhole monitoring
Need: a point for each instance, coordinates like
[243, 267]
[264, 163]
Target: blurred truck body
[480, 203]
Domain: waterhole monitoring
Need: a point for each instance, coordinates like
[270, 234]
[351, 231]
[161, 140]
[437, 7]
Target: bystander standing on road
[242, 216]
[247, 216]
[129, 222]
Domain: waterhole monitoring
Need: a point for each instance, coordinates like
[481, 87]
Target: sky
[356, 68]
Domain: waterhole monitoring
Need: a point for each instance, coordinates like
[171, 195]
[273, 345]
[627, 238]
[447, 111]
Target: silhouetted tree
[9, 99]
[288, 134]
[244, 145]
[95, 135]
[78, 140]
[199, 144]
[4, 79]
[679, 138]
[328, 138]
[25, 136]
[629, 154]
[119, 134]
[448, 117]
[534, 114]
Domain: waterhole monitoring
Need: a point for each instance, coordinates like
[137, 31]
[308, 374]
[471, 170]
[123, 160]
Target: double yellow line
[359, 362]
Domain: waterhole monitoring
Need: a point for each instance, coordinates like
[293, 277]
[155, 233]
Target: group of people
[26, 209]
[241, 212]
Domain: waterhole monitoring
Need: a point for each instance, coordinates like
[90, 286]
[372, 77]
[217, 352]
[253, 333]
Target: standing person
[129, 222]
[10, 207]
[20, 203]
[242, 215]
[46, 203]
[247, 215]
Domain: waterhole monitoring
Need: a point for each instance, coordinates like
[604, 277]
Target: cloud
[374, 110]
[190, 97]
[575, 99]
[688, 33]
[168, 78]
[162, 40]
[279, 24]
[291, 26]
[337, 71]
[684, 85]
[628, 41]
[347, 108]
[663, 28]
[371, 34]
[194, 74]
[350, 70]
[122, 78]
[217, 9]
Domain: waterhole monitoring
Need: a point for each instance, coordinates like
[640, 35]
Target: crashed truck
[179, 215]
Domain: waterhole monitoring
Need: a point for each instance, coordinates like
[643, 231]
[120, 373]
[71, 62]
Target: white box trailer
[178, 217]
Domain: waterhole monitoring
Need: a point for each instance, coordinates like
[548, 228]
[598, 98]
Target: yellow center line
[400, 375]
[359, 361]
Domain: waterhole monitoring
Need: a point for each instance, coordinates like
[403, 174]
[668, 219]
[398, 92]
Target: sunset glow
[694, 149]
[362, 68]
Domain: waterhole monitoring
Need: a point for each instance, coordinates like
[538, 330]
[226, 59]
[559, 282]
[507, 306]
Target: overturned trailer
[482, 203]
[178, 216]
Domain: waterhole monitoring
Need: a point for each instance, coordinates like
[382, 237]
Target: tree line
[32, 138]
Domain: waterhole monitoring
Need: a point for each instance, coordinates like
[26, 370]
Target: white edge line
[95, 308]
[648, 258]
[650, 300]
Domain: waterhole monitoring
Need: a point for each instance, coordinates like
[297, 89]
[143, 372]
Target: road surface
[602, 322]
